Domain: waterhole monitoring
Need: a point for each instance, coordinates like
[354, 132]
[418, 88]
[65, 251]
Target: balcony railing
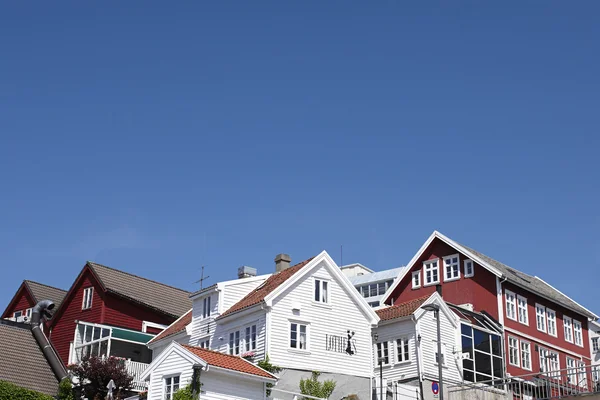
[136, 369]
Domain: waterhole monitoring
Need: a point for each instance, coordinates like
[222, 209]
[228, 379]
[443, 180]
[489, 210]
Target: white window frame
[540, 311]
[250, 338]
[522, 310]
[206, 307]
[428, 267]
[381, 348]
[322, 288]
[402, 344]
[235, 345]
[551, 322]
[28, 312]
[88, 295]
[171, 386]
[568, 328]
[578, 333]
[526, 366]
[465, 266]
[417, 275]
[454, 267]
[595, 344]
[17, 314]
[516, 348]
[510, 301]
[299, 325]
[435, 352]
[205, 344]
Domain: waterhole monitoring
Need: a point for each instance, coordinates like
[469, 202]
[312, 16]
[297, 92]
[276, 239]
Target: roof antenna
[202, 278]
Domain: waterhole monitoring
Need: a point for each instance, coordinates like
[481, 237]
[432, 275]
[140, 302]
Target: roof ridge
[212, 351]
[43, 284]
[137, 276]
[410, 301]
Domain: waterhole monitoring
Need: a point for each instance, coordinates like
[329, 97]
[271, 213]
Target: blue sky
[157, 138]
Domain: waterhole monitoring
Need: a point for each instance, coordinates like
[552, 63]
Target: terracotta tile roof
[234, 363]
[174, 328]
[258, 295]
[401, 310]
[156, 295]
[40, 292]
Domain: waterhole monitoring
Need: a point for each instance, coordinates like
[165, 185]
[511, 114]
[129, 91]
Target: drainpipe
[43, 308]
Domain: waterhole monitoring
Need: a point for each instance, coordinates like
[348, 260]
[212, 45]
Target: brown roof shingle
[174, 328]
[234, 363]
[401, 310]
[40, 292]
[158, 296]
[258, 295]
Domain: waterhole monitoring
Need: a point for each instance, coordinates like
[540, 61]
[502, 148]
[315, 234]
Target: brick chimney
[282, 261]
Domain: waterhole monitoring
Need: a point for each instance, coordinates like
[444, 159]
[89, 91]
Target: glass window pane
[317, 290]
[483, 363]
[483, 378]
[88, 333]
[498, 371]
[97, 332]
[469, 376]
[468, 364]
[467, 344]
[496, 345]
[482, 340]
[465, 329]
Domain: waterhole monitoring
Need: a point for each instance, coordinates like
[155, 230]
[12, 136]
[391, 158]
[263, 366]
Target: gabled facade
[594, 330]
[544, 329]
[27, 296]
[373, 285]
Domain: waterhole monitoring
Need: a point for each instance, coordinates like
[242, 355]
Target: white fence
[136, 369]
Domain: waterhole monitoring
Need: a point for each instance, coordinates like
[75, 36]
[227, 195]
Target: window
[322, 292]
[551, 317]
[581, 375]
[511, 305]
[431, 272]
[436, 357]
[416, 279]
[577, 329]
[571, 370]
[451, 268]
[206, 307]
[28, 313]
[522, 310]
[251, 338]
[383, 353]
[513, 351]
[568, 323]
[374, 304]
[469, 268]
[171, 386]
[298, 336]
[549, 362]
[234, 343]
[87, 298]
[402, 350]
[205, 344]
[526, 355]
[484, 362]
[90, 341]
[540, 317]
[17, 314]
[595, 346]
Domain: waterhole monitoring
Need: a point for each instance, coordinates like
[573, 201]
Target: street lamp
[381, 360]
[436, 309]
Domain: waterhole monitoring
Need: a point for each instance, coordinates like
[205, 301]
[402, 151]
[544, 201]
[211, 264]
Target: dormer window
[431, 271]
[88, 294]
[206, 307]
[321, 291]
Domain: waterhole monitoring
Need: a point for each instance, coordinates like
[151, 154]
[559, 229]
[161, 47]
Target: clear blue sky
[157, 138]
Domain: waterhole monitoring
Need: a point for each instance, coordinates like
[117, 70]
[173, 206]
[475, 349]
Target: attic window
[431, 271]
[87, 298]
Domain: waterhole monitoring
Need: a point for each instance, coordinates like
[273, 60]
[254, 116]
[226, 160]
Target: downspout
[43, 308]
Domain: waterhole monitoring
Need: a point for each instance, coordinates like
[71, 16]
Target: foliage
[185, 394]
[10, 391]
[315, 388]
[94, 373]
[267, 366]
[65, 390]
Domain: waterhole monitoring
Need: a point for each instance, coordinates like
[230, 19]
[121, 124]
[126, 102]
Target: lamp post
[381, 359]
[436, 309]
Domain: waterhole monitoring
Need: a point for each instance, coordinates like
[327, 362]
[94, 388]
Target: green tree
[94, 373]
[65, 390]
[267, 366]
[315, 388]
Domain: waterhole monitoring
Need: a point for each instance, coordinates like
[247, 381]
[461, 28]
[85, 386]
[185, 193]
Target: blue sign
[435, 387]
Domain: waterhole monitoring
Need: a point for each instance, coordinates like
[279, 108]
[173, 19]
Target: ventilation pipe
[42, 309]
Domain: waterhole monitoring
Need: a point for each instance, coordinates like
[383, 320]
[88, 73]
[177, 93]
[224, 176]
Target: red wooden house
[544, 330]
[27, 296]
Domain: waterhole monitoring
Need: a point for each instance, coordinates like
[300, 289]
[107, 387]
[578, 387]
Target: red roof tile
[258, 295]
[234, 363]
[175, 327]
[400, 310]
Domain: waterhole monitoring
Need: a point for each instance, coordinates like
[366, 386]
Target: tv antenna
[202, 278]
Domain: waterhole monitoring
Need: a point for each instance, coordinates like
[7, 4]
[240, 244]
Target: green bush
[10, 391]
[185, 394]
[315, 388]
[65, 390]
[267, 366]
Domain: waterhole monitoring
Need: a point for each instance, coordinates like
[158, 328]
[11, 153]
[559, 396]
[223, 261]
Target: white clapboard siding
[174, 364]
[220, 386]
[389, 332]
[341, 315]
[220, 338]
[234, 291]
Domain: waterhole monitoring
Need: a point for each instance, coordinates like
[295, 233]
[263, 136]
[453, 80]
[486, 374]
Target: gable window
[206, 307]
[595, 345]
[469, 268]
[234, 343]
[416, 279]
[526, 355]
[513, 351]
[511, 305]
[568, 324]
[451, 268]
[251, 338]
[322, 291]
[551, 317]
[431, 272]
[436, 355]
[87, 298]
[205, 344]
[28, 312]
[522, 310]
[577, 329]
[402, 349]
[171, 386]
[298, 336]
[18, 314]
[383, 354]
[540, 317]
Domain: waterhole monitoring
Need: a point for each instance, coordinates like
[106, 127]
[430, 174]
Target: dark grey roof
[44, 292]
[158, 296]
[533, 284]
[21, 360]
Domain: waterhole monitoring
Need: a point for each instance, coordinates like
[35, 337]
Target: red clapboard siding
[23, 302]
[125, 314]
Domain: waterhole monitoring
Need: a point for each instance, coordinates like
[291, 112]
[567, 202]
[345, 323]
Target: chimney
[438, 289]
[282, 261]
[246, 272]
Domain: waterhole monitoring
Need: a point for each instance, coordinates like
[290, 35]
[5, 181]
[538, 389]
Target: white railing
[136, 369]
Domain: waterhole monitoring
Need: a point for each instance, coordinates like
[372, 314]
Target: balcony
[136, 369]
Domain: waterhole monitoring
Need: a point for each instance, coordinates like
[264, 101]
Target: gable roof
[401, 310]
[258, 295]
[22, 361]
[40, 292]
[384, 275]
[175, 328]
[528, 282]
[156, 295]
[230, 362]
